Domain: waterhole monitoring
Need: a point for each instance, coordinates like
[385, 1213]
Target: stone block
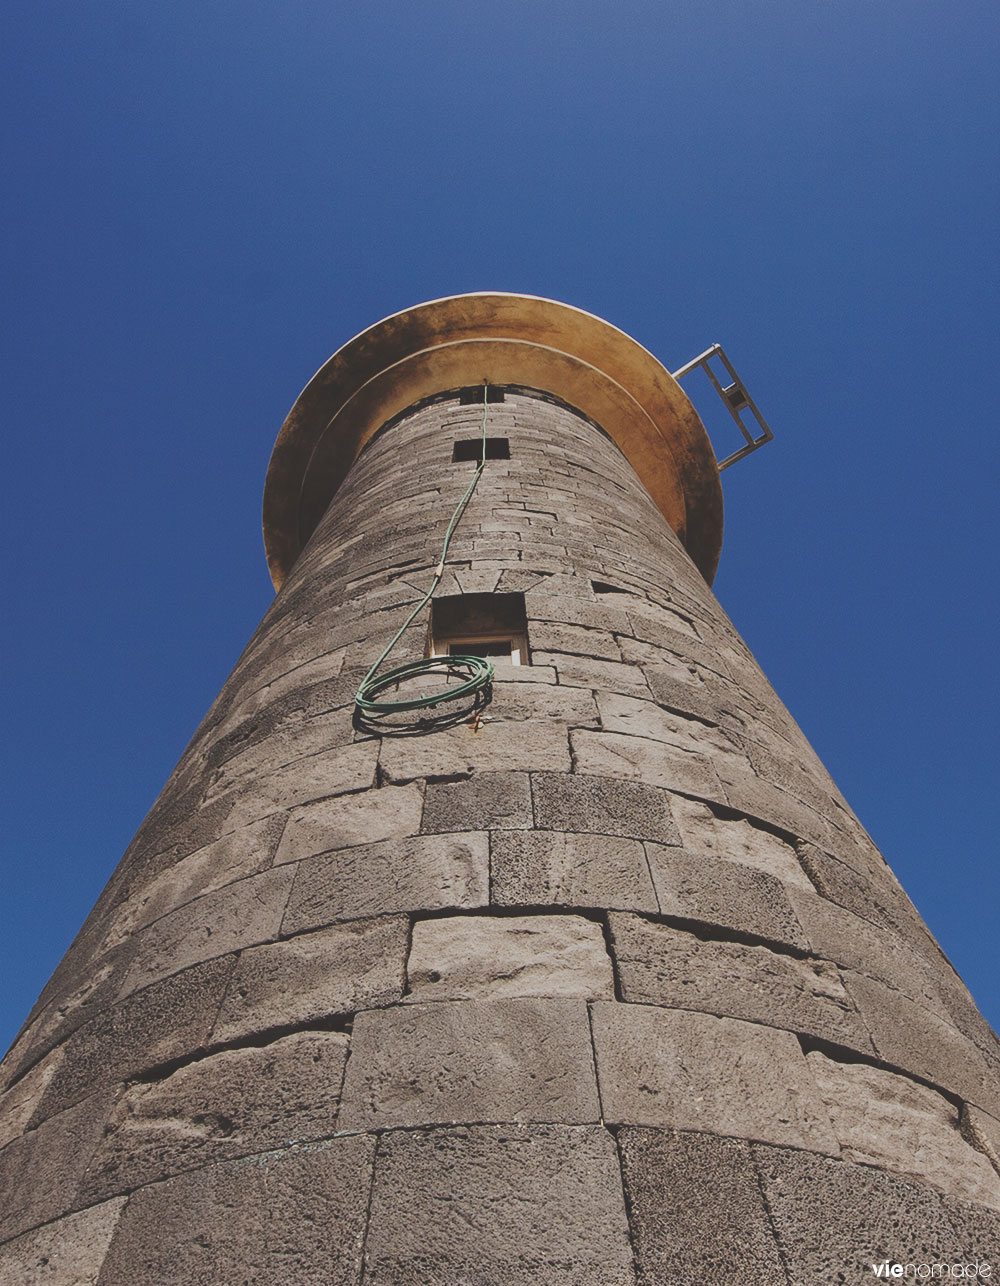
[892, 1122]
[759, 799]
[168, 1020]
[68, 1252]
[470, 1061]
[686, 1071]
[277, 737]
[553, 636]
[660, 965]
[536, 868]
[585, 672]
[87, 986]
[40, 1172]
[838, 935]
[983, 1131]
[878, 900]
[571, 610]
[518, 699]
[676, 688]
[704, 834]
[498, 1206]
[961, 1008]
[239, 915]
[729, 894]
[649, 720]
[235, 856]
[696, 1210]
[426, 873]
[485, 801]
[297, 1216]
[318, 669]
[475, 957]
[367, 818]
[332, 772]
[604, 805]
[230, 1104]
[835, 1220]
[791, 774]
[19, 1103]
[613, 754]
[313, 976]
[908, 1036]
[496, 747]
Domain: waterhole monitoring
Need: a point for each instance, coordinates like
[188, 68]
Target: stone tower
[599, 981]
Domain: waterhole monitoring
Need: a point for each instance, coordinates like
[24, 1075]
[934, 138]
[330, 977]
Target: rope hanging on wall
[475, 673]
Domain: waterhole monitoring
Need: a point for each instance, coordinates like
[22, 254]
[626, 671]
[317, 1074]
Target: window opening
[472, 449]
[485, 625]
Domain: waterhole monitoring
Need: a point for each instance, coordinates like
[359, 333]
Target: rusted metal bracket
[736, 399]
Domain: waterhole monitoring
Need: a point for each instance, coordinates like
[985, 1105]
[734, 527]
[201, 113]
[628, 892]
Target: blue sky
[204, 200]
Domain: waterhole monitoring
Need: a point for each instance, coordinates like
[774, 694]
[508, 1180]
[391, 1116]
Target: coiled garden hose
[475, 672]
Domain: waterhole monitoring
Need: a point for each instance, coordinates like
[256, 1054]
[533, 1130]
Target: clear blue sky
[204, 200]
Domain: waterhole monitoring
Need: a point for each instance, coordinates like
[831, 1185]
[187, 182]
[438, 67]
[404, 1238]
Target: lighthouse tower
[557, 959]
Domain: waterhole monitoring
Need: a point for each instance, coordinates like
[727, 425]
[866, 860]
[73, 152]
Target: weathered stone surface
[983, 1131]
[495, 747]
[889, 1121]
[647, 719]
[297, 1216]
[501, 1060]
[572, 610]
[838, 935]
[489, 958]
[69, 1252]
[534, 868]
[290, 733]
[230, 1104]
[428, 872]
[19, 1103]
[486, 801]
[607, 806]
[315, 975]
[40, 1172]
[960, 1008]
[696, 1210]
[675, 687]
[909, 1036]
[331, 772]
[387, 814]
[613, 754]
[498, 1206]
[977, 1234]
[723, 893]
[736, 840]
[687, 1071]
[880, 901]
[834, 1220]
[551, 636]
[84, 993]
[517, 699]
[665, 966]
[165, 1021]
[585, 672]
[239, 915]
[240, 854]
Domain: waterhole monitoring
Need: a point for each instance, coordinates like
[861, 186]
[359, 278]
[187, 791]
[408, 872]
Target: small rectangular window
[493, 625]
[472, 449]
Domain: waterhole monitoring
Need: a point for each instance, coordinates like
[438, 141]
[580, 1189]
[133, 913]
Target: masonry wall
[608, 986]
